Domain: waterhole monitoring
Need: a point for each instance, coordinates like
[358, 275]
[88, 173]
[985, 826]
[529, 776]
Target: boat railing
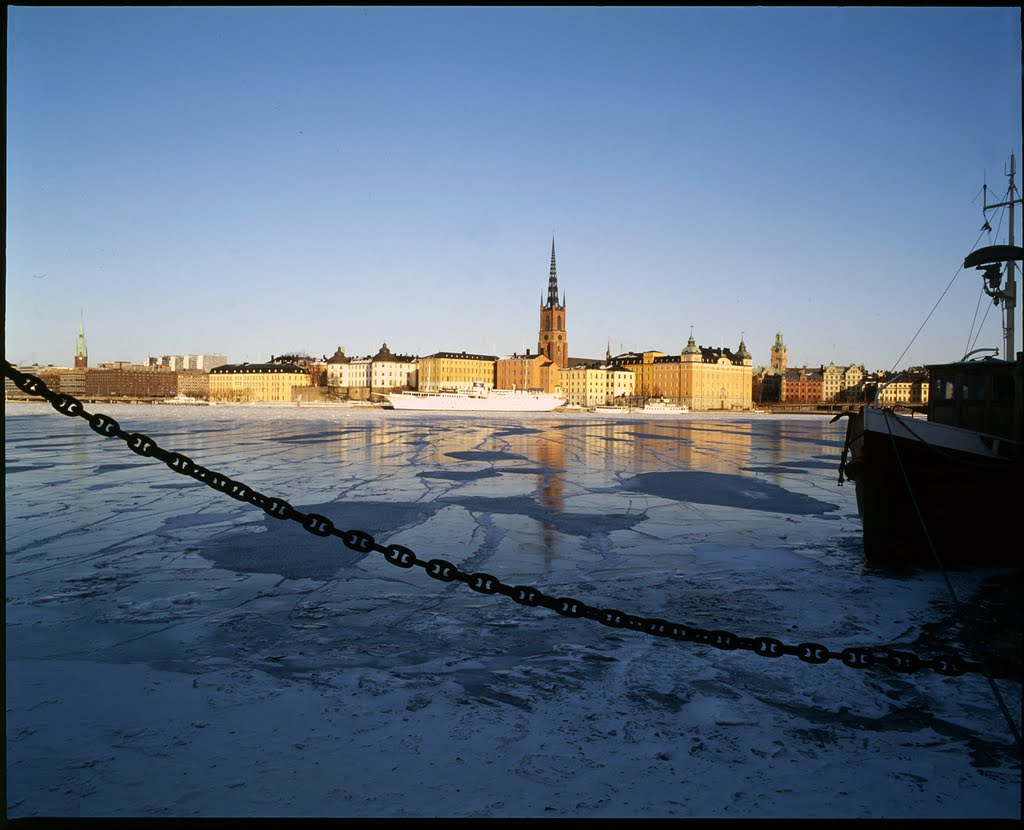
[979, 351]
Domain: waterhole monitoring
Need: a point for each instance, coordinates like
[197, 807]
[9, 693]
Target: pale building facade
[338, 372]
[359, 371]
[831, 382]
[454, 371]
[837, 381]
[391, 373]
[256, 382]
[853, 383]
[911, 389]
[588, 386]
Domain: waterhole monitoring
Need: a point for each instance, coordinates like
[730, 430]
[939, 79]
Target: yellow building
[451, 371]
[641, 364]
[836, 381]
[831, 382]
[256, 382]
[911, 389]
[699, 377]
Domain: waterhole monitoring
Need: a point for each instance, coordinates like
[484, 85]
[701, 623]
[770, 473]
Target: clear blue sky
[257, 181]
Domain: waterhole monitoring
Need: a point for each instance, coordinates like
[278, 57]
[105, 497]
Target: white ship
[477, 399]
[664, 407]
[184, 400]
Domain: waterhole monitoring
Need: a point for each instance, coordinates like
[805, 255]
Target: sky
[260, 181]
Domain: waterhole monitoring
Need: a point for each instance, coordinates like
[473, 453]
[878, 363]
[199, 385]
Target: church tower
[552, 342]
[779, 360]
[81, 355]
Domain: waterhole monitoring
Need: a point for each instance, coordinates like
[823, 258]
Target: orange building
[527, 372]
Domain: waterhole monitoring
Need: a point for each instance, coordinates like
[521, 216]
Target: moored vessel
[665, 407]
[477, 399]
[943, 491]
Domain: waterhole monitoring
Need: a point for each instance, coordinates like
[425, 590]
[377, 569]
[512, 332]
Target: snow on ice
[173, 652]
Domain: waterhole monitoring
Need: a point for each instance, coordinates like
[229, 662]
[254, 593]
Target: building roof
[803, 373]
[384, 355]
[339, 357]
[544, 359]
[464, 356]
[258, 368]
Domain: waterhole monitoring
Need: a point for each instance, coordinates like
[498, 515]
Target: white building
[597, 385]
[183, 362]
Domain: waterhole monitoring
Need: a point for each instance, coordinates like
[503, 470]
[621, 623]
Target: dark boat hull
[930, 493]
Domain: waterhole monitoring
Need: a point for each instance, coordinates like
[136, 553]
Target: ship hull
[665, 410]
[931, 494]
[441, 402]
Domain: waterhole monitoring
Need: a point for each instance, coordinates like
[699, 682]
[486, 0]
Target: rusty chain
[362, 542]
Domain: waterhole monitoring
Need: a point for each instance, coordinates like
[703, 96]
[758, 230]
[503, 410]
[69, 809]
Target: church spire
[553, 281]
[552, 340]
[81, 353]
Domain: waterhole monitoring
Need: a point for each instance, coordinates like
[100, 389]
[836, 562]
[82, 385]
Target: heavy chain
[444, 571]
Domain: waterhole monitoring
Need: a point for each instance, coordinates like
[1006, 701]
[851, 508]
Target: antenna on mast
[1009, 296]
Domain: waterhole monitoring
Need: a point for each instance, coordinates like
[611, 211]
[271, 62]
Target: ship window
[944, 389]
[1002, 388]
[974, 388]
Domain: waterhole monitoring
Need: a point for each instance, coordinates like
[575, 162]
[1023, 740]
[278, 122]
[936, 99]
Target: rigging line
[999, 224]
[971, 333]
[988, 308]
[930, 313]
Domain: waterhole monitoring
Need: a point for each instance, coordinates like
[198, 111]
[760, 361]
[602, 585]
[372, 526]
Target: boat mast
[1010, 295]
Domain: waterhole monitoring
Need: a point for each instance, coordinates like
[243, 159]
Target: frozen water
[171, 651]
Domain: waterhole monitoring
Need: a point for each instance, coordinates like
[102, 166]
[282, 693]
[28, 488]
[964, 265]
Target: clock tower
[551, 341]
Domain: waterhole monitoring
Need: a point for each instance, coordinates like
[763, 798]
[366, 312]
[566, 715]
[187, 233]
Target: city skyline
[271, 180]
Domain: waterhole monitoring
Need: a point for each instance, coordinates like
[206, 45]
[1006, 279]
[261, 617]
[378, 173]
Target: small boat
[477, 399]
[665, 407]
[184, 400]
[943, 492]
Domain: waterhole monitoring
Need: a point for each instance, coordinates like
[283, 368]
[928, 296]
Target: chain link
[360, 541]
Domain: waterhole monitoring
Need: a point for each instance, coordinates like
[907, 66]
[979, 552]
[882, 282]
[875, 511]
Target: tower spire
[552, 340]
[553, 279]
[81, 353]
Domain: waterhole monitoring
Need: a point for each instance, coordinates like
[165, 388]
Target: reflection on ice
[171, 651]
[726, 490]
